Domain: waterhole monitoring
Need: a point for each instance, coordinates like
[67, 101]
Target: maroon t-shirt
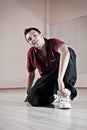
[36, 60]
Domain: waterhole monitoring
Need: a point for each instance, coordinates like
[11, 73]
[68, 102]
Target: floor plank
[15, 114]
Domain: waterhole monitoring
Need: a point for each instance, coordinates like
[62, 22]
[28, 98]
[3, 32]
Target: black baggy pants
[41, 93]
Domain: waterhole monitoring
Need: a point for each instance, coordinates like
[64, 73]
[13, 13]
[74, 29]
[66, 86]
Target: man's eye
[34, 35]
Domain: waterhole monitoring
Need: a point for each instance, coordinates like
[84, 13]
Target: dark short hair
[27, 30]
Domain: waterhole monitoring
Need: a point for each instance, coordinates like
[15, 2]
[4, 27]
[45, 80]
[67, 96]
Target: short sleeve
[56, 44]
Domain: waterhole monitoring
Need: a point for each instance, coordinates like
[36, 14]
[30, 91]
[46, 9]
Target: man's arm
[64, 60]
[30, 80]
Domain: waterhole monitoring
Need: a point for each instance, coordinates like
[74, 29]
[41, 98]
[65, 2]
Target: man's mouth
[35, 43]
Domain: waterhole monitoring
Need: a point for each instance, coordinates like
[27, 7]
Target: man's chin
[38, 48]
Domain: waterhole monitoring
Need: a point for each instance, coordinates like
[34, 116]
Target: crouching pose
[56, 64]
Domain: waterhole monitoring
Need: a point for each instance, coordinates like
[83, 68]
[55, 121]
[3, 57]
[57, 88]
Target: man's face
[35, 39]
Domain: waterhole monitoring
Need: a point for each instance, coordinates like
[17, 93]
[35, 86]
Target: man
[56, 64]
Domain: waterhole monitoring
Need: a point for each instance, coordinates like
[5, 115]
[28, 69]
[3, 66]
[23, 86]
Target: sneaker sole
[63, 106]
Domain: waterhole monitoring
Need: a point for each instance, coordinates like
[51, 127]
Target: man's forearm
[64, 60]
[30, 81]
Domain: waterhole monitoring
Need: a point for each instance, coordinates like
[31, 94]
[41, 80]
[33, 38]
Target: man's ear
[42, 34]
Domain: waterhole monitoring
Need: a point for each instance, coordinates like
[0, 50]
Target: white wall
[47, 15]
[70, 25]
[64, 10]
[15, 16]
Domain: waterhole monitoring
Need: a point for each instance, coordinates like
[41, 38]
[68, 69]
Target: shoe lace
[64, 99]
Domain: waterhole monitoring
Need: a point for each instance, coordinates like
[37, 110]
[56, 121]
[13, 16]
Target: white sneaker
[56, 97]
[64, 102]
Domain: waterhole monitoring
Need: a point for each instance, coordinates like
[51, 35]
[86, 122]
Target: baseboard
[81, 87]
[12, 88]
[24, 88]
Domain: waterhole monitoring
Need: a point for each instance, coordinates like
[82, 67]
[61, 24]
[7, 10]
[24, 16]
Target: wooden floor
[17, 115]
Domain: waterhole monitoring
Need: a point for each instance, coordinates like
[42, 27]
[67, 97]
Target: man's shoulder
[54, 40]
[51, 39]
[30, 51]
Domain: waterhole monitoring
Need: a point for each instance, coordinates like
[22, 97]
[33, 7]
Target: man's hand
[62, 88]
[26, 98]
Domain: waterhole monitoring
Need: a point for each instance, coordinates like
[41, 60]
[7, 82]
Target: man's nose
[33, 39]
[33, 42]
